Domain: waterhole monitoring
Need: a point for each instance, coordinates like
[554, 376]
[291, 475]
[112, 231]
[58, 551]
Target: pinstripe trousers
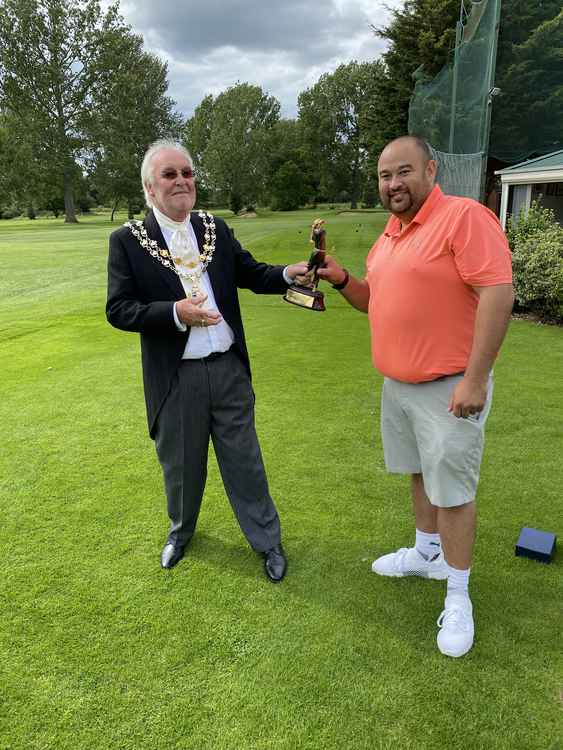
[213, 398]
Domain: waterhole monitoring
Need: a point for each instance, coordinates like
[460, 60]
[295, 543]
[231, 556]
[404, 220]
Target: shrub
[235, 202]
[11, 213]
[537, 220]
[537, 258]
[85, 203]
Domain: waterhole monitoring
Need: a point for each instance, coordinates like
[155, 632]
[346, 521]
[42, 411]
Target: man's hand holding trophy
[304, 292]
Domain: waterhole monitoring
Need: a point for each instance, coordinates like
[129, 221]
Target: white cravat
[202, 341]
[181, 245]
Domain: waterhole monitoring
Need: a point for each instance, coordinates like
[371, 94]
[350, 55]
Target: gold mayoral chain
[175, 263]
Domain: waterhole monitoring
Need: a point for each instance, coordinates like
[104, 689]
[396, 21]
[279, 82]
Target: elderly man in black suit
[173, 278]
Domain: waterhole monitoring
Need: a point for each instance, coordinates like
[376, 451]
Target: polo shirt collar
[394, 229]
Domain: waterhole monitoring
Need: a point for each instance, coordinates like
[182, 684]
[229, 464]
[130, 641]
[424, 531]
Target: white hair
[153, 149]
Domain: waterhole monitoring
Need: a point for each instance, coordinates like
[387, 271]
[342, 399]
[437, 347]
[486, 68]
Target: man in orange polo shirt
[438, 293]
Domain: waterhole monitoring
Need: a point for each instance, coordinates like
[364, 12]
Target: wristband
[344, 281]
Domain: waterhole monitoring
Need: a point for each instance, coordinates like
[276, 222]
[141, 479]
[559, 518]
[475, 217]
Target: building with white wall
[539, 179]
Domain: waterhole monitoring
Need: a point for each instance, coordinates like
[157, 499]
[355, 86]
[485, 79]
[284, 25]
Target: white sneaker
[407, 561]
[456, 626]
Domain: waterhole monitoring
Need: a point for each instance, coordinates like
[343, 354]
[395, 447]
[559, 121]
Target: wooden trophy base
[302, 296]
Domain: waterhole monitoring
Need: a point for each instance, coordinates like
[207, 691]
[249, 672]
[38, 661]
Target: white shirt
[202, 341]
[209, 339]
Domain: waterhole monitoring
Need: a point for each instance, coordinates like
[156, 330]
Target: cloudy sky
[282, 46]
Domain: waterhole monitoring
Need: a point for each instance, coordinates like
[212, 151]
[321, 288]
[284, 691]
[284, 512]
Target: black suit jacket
[142, 292]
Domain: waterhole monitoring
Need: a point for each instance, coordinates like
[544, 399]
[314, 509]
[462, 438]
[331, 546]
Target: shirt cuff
[179, 325]
[288, 280]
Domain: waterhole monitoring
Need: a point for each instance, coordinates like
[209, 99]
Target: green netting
[460, 174]
[455, 110]
[451, 111]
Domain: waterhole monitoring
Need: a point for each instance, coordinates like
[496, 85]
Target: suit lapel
[168, 275]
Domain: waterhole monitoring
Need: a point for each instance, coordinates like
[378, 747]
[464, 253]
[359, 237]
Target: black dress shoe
[275, 563]
[171, 555]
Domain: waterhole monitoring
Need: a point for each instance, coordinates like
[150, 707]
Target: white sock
[458, 581]
[428, 545]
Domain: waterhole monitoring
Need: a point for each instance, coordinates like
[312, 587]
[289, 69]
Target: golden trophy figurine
[306, 294]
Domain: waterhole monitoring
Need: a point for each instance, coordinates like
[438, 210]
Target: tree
[231, 139]
[289, 188]
[131, 111]
[527, 116]
[15, 166]
[25, 181]
[50, 53]
[421, 36]
[290, 174]
[197, 133]
[338, 115]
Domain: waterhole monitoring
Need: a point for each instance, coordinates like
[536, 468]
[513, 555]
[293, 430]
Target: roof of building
[539, 164]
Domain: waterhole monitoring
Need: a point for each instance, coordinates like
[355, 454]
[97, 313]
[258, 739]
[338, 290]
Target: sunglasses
[171, 174]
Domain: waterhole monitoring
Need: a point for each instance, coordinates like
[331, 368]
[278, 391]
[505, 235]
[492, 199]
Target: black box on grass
[538, 545]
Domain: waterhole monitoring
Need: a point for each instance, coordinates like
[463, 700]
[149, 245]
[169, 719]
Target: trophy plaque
[308, 296]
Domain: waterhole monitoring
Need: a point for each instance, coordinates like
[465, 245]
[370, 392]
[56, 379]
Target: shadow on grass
[316, 571]
[402, 610]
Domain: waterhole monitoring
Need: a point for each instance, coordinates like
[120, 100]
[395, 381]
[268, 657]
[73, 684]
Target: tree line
[80, 100]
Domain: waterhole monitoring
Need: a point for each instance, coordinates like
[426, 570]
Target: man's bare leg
[425, 513]
[424, 559]
[427, 541]
[457, 532]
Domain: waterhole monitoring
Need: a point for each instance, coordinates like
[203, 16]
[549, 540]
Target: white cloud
[281, 46]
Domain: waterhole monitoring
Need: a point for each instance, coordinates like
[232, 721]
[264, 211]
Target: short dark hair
[423, 145]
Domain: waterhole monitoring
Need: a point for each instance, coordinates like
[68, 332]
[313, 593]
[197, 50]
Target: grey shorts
[420, 436]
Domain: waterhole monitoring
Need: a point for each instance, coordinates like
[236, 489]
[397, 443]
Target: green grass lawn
[100, 648]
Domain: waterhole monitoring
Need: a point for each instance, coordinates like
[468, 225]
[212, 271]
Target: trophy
[308, 296]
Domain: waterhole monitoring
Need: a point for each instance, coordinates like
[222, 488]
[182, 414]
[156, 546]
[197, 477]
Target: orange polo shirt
[422, 306]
